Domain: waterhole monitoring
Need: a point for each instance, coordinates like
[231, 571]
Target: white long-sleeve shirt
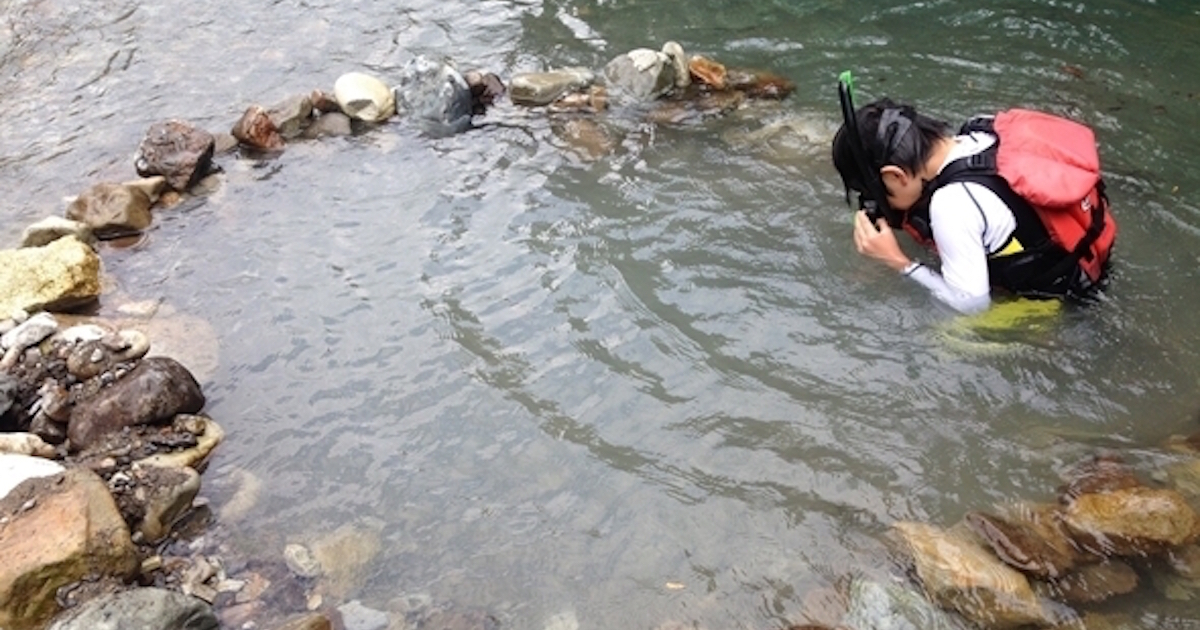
[969, 222]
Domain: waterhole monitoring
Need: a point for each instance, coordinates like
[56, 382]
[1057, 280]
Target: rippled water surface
[648, 385]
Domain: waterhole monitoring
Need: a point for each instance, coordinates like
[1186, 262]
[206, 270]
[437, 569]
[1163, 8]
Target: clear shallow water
[554, 383]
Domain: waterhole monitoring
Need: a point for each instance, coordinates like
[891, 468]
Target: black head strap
[893, 129]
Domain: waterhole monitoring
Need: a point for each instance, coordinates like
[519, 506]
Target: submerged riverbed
[629, 387]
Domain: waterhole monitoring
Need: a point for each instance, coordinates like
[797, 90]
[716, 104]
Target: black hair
[892, 142]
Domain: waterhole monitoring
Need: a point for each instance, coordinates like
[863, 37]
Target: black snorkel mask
[873, 198]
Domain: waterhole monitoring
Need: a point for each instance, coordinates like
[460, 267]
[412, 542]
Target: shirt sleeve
[958, 229]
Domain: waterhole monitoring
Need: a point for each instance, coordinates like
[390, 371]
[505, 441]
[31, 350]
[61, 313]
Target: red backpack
[1052, 166]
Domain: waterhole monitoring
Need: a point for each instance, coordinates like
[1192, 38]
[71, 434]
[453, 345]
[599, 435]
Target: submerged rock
[112, 210]
[1036, 545]
[885, 606]
[140, 609]
[434, 95]
[962, 576]
[1131, 521]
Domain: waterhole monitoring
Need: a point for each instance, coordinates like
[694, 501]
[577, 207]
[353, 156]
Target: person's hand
[878, 242]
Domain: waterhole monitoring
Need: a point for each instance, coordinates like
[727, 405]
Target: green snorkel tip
[847, 79]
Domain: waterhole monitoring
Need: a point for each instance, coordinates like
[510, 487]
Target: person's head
[898, 142]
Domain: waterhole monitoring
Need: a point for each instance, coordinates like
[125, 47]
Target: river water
[644, 386]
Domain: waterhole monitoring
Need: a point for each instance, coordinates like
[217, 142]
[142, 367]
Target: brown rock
[311, 621]
[1094, 583]
[154, 391]
[762, 85]
[708, 72]
[1102, 473]
[1131, 522]
[256, 130]
[72, 530]
[1036, 545]
[177, 151]
[962, 576]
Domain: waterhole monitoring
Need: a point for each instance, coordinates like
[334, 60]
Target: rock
[176, 150]
[72, 530]
[594, 100]
[169, 495]
[1131, 521]
[209, 436]
[15, 468]
[112, 210]
[1098, 474]
[886, 606]
[962, 576]
[291, 115]
[324, 102]
[640, 75]
[485, 88]
[154, 391]
[695, 108]
[153, 187]
[311, 621]
[760, 85]
[344, 555]
[301, 561]
[708, 72]
[256, 130]
[364, 97]
[679, 62]
[1093, 583]
[8, 393]
[543, 88]
[331, 124]
[25, 444]
[29, 333]
[140, 609]
[60, 276]
[1036, 545]
[585, 137]
[89, 359]
[434, 95]
[355, 616]
[51, 229]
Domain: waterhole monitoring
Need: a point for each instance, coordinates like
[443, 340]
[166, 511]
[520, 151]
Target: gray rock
[434, 95]
[30, 333]
[542, 88]
[51, 229]
[355, 616]
[641, 75]
[877, 606]
[291, 115]
[329, 124]
[140, 609]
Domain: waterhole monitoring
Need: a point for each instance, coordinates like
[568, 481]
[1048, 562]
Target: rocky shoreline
[103, 441]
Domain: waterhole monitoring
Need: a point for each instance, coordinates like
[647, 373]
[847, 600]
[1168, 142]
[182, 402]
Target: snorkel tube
[873, 199]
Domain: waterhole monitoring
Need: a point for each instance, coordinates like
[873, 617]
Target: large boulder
[140, 609]
[1131, 521]
[961, 575]
[151, 393]
[59, 530]
[60, 276]
[434, 95]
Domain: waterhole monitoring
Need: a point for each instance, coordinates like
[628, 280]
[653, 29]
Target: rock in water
[435, 95]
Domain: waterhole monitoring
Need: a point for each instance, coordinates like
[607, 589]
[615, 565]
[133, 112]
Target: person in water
[982, 232]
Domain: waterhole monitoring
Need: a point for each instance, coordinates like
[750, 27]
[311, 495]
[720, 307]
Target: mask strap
[893, 127]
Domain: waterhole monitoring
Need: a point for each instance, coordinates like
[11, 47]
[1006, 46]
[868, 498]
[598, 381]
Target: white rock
[15, 469]
[364, 97]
